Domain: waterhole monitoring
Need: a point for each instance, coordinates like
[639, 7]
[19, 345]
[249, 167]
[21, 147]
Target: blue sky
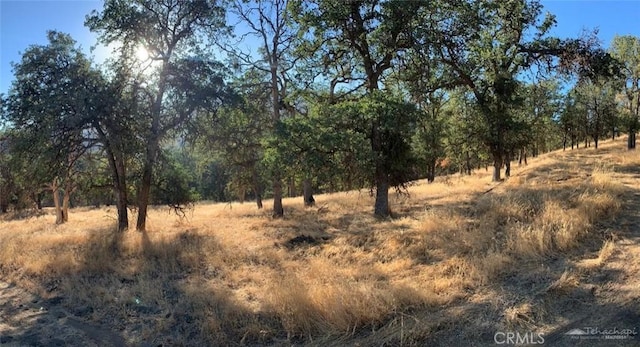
[25, 22]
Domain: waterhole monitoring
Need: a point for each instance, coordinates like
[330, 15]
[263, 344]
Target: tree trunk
[66, 200]
[507, 164]
[278, 211]
[256, 187]
[55, 189]
[121, 206]
[307, 190]
[431, 171]
[242, 193]
[4, 202]
[497, 165]
[520, 156]
[118, 175]
[468, 160]
[144, 193]
[118, 178]
[595, 141]
[37, 199]
[292, 187]
[631, 141]
[381, 206]
[153, 147]
[259, 200]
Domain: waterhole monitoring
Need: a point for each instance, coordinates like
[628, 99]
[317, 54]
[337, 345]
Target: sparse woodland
[361, 172]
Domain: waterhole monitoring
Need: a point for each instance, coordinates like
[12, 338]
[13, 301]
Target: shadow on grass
[140, 289]
[537, 293]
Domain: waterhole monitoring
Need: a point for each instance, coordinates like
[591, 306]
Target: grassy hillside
[462, 259]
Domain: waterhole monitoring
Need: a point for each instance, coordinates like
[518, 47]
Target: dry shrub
[523, 316]
[492, 266]
[322, 299]
[565, 284]
[607, 250]
[447, 233]
[514, 206]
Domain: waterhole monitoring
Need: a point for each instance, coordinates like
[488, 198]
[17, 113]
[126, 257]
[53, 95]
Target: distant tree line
[331, 96]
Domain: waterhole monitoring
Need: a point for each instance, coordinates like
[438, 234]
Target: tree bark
[381, 206]
[55, 189]
[256, 187]
[292, 187]
[507, 164]
[520, 156]
[66, 200]
[631, 140]
[242, 193]
[153, 147]
[307, 190]
[431, 171]
[145, 190]
[497, 165]
[118, 178]
[278, 211]
[468, 159]
[37, 198]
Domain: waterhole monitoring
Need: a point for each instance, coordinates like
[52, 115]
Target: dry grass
[228, 274]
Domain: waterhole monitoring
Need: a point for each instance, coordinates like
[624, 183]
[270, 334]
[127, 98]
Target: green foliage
[463, 143]
[338, 137]
[626, 49]
[597, 99]
[175, 182]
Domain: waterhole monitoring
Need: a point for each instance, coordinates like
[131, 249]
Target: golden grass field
[461, 259]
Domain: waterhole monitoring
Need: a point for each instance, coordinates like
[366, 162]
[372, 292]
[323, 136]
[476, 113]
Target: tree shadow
[138, 289]
[547, 292]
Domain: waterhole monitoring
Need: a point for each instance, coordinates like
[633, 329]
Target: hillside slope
[463, 262]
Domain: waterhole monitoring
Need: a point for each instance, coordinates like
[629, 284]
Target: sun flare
[142, 54]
